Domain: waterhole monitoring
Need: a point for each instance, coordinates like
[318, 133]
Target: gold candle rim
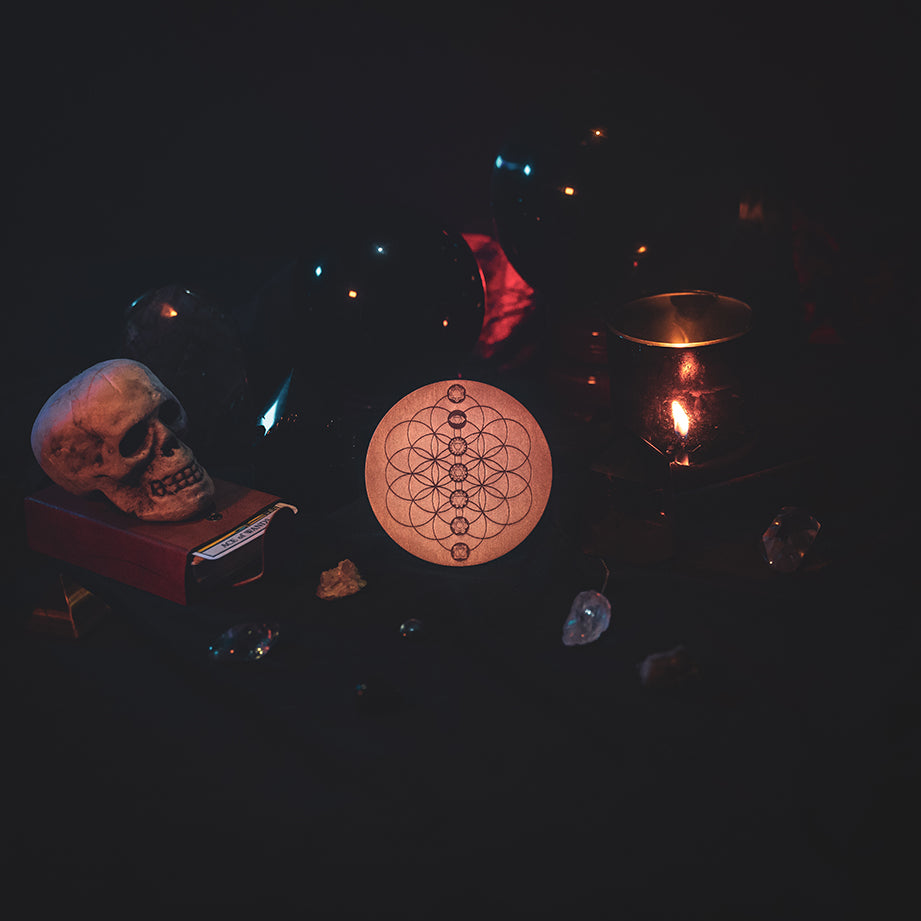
[681, 313]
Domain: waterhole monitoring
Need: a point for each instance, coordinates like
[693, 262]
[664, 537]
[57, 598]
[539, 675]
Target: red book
[173, 559]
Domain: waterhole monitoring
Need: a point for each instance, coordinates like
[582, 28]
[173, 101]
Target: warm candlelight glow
[682, 423]
[689, 367]
[168, 311]
[751, 211]
[569, 190]
[353, 293]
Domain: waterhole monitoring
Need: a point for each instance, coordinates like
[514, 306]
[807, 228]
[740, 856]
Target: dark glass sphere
[314, 446]
[195, 348]
[377, 304]
[615, 179]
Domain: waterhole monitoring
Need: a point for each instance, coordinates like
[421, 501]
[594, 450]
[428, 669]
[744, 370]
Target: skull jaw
[190, 501]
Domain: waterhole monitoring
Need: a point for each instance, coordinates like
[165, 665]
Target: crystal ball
[591, 184]
[194, 346]
[376, 301]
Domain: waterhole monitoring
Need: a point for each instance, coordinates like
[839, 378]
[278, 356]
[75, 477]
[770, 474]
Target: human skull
[115, 428]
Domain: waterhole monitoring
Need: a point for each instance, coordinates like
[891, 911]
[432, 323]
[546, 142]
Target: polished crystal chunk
[788, 537]
[589, 617]
[244, 642]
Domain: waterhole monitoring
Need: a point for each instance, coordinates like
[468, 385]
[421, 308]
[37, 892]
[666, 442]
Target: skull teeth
[170, 485]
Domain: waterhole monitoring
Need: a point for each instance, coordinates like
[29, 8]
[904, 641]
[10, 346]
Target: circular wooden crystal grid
[458, 473]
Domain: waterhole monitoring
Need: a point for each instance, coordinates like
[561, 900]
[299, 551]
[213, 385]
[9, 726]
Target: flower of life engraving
[458, 473]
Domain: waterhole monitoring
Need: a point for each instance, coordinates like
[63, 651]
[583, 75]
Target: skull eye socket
[169, 412]
[134, 439]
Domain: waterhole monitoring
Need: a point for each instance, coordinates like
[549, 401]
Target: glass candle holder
[677, 368]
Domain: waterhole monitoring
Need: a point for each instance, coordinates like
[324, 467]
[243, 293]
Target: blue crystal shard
[244, 642]
[589, 617]
[788, 537]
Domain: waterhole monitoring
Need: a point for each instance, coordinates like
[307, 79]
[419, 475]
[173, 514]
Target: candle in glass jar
[675, 371]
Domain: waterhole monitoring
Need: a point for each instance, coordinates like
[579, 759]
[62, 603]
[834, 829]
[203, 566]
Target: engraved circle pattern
[458, 472]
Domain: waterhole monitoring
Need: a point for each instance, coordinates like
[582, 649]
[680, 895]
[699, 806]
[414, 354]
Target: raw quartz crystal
[788, 537]
[589, 617]
[244, 642]
[341, 581]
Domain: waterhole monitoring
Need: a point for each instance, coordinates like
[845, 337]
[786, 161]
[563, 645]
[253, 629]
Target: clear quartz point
[244, 642]
[589, 617]
[788, 537]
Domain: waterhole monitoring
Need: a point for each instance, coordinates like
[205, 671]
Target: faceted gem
[589, 617]
[666, 669]
[244, 642]
[788, 537]
[411, 628]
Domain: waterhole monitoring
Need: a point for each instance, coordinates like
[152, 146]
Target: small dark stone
[667, 669]
[377, 695]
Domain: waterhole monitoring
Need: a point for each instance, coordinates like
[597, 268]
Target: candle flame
[682, 423]
[168, 311]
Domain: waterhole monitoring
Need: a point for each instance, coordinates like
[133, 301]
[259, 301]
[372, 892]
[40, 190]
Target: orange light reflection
[688, 367]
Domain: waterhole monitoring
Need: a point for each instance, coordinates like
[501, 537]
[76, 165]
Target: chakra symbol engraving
[459, 468]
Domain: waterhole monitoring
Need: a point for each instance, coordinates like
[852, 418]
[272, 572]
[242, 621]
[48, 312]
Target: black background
[155, 143]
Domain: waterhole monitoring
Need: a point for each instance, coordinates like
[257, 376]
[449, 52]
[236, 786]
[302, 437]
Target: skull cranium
[115, 428]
